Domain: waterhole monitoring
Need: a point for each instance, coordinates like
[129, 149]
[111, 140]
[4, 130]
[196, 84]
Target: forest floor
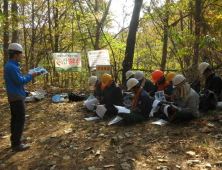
[61, 139]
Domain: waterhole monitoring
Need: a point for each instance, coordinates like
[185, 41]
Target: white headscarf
[183, 92]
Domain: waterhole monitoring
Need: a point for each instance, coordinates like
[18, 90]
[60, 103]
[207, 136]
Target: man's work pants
[17, 121]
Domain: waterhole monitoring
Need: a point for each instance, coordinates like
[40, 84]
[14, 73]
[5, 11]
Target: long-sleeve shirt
[147, 85]
[191, 105]
[144, 104]
[112, 96]
[213, 83]
[15, 82]
[167, 90]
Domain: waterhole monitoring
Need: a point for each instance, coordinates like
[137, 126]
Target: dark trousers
[111, 111]
[17, 121]
[131, 117]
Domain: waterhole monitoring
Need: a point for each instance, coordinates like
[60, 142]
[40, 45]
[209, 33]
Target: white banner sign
[70, 62]
[100, 57]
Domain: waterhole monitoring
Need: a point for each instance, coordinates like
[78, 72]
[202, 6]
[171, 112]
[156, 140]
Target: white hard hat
[177, 80]
[138, 75]
[92, 80]
[202, 67]
[131, 83]
[129, 74]
[15, 46]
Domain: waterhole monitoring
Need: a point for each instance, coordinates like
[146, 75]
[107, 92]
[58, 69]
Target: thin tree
[165, 36]
[33, 37]
[14, 9]
[131, 40]
[197, 18]
[6, 32]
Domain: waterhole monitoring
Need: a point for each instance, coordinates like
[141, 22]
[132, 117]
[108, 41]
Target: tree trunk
[78, 18]
[33, 39]
[88, 29]
[56, 16]
[100, 24]
[50, 29]
[14, 9]
[197, 33]
[51, 41]
[131, 40]
[187, 58]
[165, 38]
[6, 32]
[25, 38]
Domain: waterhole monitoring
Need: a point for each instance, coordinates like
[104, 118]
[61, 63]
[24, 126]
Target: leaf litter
[65, 140]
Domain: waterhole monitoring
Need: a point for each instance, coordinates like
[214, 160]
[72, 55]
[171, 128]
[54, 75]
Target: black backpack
[75, 97]
[208, 101]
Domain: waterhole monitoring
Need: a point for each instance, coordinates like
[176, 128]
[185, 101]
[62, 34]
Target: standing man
[16, 95]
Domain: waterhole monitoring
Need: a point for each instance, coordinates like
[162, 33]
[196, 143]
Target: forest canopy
[171, 35]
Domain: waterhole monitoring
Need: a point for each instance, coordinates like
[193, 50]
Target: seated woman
[161, 84]
[112, 96]
[99, 87]
[142, 104]
[187, 100]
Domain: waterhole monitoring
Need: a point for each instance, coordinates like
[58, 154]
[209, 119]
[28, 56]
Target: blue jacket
[14, 81]
[144, 103]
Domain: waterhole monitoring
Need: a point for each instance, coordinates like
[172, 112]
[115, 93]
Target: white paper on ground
[159, 122]
[101, 110]
[116, 120]
[40, 90]
[90, 103]
[165, 110]
[91, 118]
[122, 109]
[40, 94]
[30, 99]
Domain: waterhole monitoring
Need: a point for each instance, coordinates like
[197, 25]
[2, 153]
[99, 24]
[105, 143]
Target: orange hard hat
[156, 75]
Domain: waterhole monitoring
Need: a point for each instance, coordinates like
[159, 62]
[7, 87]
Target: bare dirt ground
[61, 139]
